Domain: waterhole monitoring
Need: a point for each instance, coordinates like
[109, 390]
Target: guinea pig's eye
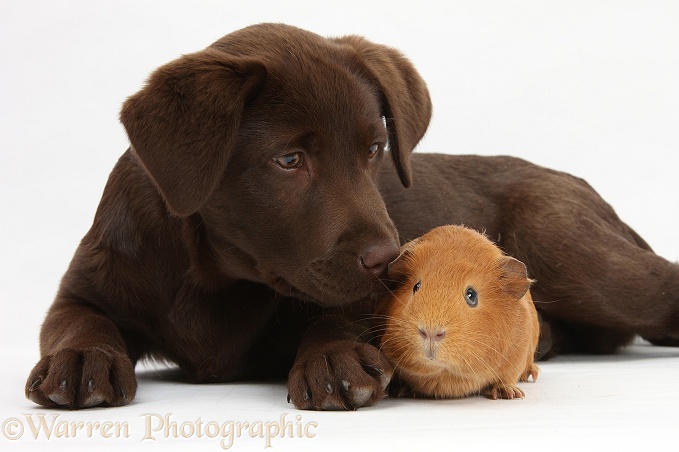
[416, 287]
[472, 297]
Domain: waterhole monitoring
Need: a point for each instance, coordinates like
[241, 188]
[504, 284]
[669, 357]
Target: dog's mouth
[327, 295]
[283, 287]
[332, 280]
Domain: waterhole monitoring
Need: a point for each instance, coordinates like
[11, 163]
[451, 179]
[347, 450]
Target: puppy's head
[271, 138]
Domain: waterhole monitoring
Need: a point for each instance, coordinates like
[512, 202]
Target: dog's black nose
[376, 258]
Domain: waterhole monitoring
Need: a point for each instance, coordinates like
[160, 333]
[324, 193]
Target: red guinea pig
[461, 320]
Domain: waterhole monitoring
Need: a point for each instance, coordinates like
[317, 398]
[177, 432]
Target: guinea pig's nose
[432, 335]
[376, 258]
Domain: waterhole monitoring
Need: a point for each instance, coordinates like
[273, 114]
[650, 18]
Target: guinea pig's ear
[406, 102]
[513, 277]
[398, 268]
[182, 125]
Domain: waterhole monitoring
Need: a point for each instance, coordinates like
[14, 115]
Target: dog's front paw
[85, 378]
[341, 375]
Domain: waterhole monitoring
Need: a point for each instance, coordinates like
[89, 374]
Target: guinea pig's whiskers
[370, 327]
[407, 356]
[374, 330]
[545, 302]
[388, 289]
[385, 286]
[488, 346]
[393, 342]
[469, 365]
[400, 348]
[383, 316]
[483, 362]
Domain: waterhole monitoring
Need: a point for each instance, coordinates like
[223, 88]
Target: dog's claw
[288, 398]
[35, 384]
[83, 379]
[377, 370]
[341, 375]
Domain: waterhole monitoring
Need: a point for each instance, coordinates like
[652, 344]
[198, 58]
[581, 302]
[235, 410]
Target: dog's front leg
[335, 369]
[84, 360]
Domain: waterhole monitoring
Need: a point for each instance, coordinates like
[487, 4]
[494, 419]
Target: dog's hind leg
[597, 282]
[617, 290]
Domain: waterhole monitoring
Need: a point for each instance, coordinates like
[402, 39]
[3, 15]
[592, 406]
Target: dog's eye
[290, 161]
[472, 297]
[416, 287]
[373, 150]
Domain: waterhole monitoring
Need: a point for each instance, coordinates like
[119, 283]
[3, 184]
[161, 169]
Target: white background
[587, 87]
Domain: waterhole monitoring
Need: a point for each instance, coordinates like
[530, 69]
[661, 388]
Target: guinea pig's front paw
[504, 391]
[340, 375]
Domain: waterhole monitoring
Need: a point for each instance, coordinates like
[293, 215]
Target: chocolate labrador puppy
[256, 210]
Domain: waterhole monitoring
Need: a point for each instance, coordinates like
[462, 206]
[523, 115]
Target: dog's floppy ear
[406, 98]
[182, 125]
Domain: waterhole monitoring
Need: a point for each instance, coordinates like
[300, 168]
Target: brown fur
[441, 346]
[206, 252]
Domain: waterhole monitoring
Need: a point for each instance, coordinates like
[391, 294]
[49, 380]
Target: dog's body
[254, 200]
